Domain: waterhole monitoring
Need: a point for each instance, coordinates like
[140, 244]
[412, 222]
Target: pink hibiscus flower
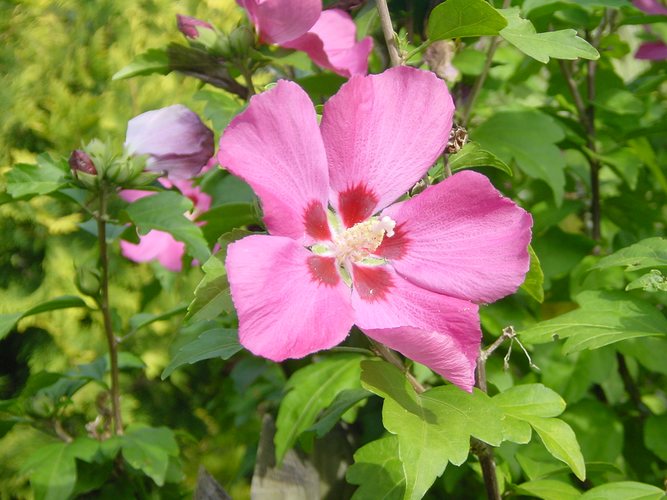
[160, 245]
[651, 50]
[328, 37]
[408, 274]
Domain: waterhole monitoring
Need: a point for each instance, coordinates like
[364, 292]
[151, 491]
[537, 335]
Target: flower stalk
[103, 303]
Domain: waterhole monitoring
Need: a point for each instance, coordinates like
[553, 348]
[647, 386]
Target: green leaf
[225, 218]
[148, 449]
[651, 252]
[47, 176]
[214, 343]
[344, 401]
[52, 468]
[220, 107]
[378, 471]
[627, 490]
[150, 62]
[549, 489]
[433, 428]
[7, 321]
[560, 440]
[602, 319]
[562, 44]
[472, 155]
[534, 282]
[463, 18]
[653, 281]
[212, 297]
[654, 435]
[527, 137]
[530, 400]
[310, 390]
[142, 320]
[164, 211]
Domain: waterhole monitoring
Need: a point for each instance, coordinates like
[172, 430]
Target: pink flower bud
[188, 25]
[79, 161]
[174, 138]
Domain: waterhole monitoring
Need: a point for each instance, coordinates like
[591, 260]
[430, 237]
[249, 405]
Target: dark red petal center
[323, 270]
[372, 283]
[315, 221]
[356, 204]
[394, 247]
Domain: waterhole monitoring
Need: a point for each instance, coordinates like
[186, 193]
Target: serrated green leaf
[528, 137]
[651, 252]
[464, 18]
[310, 390]
[560, 440]
[164, 211]
[603, 318]
[562, 44]
[534, 282]
[45, 177]
[150, 62]
[7, 321]
[378, 471]
[530, 400]
[148, 449]
[434, 427]
[549, 489]
[220, 106]
[473, 155]
[627, 490]
[215, 343]
[344, 401]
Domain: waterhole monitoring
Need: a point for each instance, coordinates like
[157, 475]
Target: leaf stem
[112, 342]
[388, 32]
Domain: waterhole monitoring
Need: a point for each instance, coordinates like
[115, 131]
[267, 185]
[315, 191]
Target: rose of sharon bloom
[176, 140]
[338, 253]
[328, 37]
[651, 50]
[160, 245]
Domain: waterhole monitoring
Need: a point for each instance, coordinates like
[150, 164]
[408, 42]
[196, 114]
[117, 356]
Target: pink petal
[381, 134]
[438, 331]
[332, 43]
[650, 6]
[276, 147]
[461, 238]
[131, 195]
[290, 302]
[156, 245]
[279, 21]
[655, 51]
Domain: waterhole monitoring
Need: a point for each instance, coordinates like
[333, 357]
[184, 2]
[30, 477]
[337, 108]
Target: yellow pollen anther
[362, 239]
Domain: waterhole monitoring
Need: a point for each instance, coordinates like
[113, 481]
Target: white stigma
[362, 239]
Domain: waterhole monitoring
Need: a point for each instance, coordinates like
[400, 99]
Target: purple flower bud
[188, 25]
[176, 140]
[79, 161]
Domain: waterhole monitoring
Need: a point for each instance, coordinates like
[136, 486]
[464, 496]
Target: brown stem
[388, 32]
[106, 313]
[631, 387]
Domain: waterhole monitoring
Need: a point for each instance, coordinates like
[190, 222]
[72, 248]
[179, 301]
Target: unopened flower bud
[188, 26]
[174, 138]
[79, 161]
[87, 281]
[240, 41]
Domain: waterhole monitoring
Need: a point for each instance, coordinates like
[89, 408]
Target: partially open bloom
[408, 274]
[188, 25]
[160, 245]
[328, 37]
[176, 140]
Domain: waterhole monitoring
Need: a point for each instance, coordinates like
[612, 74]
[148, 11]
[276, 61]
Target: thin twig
[388, 355]
[106, 314]
[388, 31]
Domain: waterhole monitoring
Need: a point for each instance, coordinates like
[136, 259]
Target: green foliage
[472, 155]
[7, 321]
[462, 18]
